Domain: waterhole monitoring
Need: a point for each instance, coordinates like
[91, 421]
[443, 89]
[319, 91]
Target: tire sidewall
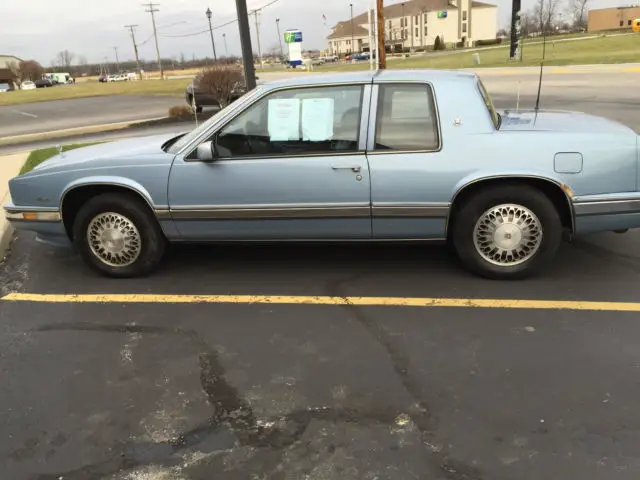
[152, 239]
[530, 198]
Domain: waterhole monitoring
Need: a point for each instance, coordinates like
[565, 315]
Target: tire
[536, 213]
[99, 212]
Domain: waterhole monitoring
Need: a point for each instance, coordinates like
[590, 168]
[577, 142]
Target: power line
[193, 34]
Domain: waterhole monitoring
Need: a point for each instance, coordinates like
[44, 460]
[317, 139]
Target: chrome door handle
[353, 168]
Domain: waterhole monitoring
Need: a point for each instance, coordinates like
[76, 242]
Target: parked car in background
[28, 85]
[5, 87]
[392, 155]
[103, 78]
[44, 83]
[195, 95]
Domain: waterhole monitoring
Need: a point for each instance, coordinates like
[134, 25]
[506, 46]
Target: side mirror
[206, 151]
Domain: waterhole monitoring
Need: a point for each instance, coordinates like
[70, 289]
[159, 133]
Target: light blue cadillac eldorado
[389, 156]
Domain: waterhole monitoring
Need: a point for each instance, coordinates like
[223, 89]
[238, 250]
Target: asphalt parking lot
[80, 112]
[155, 390]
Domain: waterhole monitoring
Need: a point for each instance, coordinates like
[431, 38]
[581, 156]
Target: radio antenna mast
[544, 48]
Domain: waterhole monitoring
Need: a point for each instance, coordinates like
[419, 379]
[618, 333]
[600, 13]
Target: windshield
[196, 132]
[495, 116]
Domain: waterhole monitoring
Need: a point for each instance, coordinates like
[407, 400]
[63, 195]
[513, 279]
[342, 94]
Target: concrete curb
[10, 166]
[70, 132]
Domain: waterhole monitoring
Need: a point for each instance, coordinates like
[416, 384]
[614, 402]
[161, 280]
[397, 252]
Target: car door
[407, 163]
[290, 166]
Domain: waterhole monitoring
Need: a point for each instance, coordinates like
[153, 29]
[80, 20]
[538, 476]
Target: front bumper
[46, 223]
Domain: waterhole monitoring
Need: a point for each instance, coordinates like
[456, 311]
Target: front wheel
[507, 232]
[117, 236]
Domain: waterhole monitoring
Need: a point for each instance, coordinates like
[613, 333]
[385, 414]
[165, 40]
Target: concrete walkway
[10, 166]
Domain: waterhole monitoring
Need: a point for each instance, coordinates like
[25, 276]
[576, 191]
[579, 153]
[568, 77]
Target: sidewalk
[10, 166]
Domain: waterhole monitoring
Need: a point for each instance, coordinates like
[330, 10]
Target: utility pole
[255, 13]
[153, 10]
[115, 49]
[135, 47]
[382, 54]
[245, 42]
[213, 43]
[352, 45]
[515, 51]
[279, 38]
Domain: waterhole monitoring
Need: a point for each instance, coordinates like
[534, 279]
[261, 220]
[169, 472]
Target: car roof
[368, 76]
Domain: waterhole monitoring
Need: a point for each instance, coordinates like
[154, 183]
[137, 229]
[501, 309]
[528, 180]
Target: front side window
[406, 118]
[295, 122]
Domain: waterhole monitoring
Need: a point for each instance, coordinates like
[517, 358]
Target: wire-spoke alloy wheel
[114, 239]
[507, 235]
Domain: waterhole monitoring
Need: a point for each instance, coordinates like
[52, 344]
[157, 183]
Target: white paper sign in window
[317, 119]
[284, 119]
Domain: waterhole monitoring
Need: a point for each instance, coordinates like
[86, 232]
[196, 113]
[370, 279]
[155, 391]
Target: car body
[5, 87]
[28, 85]
[44, 83]
[197, 98]
[392, 156]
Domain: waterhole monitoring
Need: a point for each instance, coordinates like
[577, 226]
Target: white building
[415, 24]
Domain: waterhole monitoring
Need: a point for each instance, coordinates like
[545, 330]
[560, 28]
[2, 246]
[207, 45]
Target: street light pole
[226, 50]
[213, 44]
[351, 5]
[279, 38]
[402, 25]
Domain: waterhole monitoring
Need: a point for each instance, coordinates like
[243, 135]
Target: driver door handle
[353, 168]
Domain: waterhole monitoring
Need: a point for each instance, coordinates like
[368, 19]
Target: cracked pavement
[244, 391]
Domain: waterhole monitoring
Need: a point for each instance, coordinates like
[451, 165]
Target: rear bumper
[604, 213]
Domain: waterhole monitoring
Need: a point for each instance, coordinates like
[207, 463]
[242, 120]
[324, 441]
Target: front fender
[110, 180]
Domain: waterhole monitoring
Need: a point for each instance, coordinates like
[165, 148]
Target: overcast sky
[40, 28]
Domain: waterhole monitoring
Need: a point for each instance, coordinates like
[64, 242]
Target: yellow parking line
[324, 300]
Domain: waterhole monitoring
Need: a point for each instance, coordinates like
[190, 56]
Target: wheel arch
[555, 190]
[77, 193]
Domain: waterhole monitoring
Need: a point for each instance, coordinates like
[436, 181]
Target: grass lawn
[175, 87]
[38, 156]
[619, 49]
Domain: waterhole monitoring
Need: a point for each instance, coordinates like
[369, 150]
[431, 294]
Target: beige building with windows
[615, 18]
[415, 24]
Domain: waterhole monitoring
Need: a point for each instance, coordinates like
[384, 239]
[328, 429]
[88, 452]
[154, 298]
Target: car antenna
[544, 49]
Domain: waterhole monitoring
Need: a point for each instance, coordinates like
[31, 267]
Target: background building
[415, 24]
[6, 75]
[616, 18]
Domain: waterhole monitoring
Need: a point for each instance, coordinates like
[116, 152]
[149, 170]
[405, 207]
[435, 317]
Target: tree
[578, 13]
[221, 81]
[64, 58]
[546, 14]
[26, 70]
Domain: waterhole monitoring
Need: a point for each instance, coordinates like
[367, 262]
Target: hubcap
[114, 239]
[507, 235]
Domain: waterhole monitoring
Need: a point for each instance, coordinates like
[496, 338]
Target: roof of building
[366, 76]
[411, 7]
[343, 29]
[6, 59]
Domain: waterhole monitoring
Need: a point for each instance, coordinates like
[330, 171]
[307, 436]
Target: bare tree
[64, 58]
[578, 13]
[221, 82]
[545, 13]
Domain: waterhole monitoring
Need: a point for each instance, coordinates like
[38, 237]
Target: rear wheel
[507, 232]
[117, 236]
